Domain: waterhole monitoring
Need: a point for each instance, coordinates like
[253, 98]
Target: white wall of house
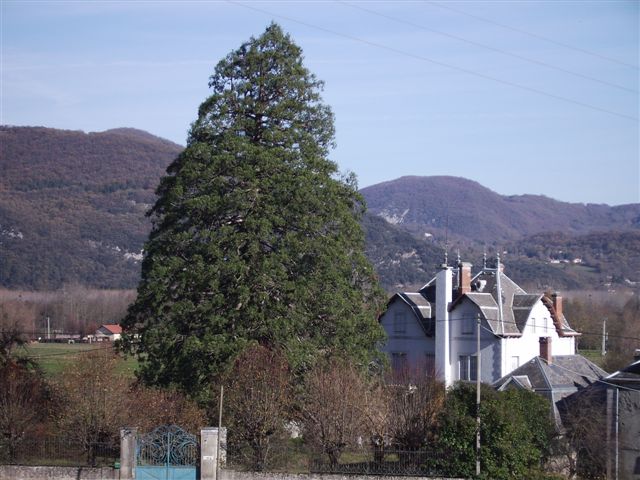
[464, 345]
[104, 334]
[405, 336]
[520, 350]
[455, 351]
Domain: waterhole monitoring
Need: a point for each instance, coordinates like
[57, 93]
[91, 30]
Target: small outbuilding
[109, 333]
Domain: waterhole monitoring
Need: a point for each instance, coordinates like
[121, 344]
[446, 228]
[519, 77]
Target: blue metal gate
[167, 453]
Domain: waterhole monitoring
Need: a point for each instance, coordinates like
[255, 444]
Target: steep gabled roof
[516, 303]
[522, 306]
[566, 373]
[558, 381]
[490, 311]
[518, 381]
[559, 320]
[421, 309]
[420, 305]
[112, 328]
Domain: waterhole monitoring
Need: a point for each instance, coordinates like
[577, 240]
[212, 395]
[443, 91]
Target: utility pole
[604, 336]
[48, 329]
[219, 433]
[478, 369]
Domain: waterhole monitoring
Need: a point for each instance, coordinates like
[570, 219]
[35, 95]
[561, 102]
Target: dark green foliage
[516, 432]
[254, 237]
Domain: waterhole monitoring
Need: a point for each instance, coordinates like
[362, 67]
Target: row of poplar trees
[256, 236]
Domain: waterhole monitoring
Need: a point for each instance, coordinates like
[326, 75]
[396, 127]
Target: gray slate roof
[421, 309]
[516, 304]
[566, 373]
[628, 376]
[558, 381]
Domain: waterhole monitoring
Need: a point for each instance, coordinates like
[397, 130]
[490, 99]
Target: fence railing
[294, 456]
[60, 451]
[380, 462]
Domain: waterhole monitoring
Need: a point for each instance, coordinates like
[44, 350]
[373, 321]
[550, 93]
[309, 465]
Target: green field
[55, 358]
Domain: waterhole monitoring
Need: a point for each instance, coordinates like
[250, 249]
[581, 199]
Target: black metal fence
[296, 456]
[380, 462]
[60, 451]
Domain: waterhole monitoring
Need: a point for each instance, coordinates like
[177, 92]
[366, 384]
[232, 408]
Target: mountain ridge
[73, 204]
[447, 205]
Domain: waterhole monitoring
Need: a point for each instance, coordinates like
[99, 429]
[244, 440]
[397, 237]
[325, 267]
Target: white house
[436, 326]
[108, 332]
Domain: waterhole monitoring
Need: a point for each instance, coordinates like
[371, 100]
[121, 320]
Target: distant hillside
[557, 261]
[72, 204]
[72, 210]
[400, 258]
[473, 214]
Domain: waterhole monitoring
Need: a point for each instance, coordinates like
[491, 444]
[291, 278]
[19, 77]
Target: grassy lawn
[55, 358]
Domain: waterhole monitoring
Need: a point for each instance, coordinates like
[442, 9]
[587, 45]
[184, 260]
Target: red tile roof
[113, 328]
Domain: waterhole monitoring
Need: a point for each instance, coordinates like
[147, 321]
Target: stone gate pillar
[210, 458]
[127, 453]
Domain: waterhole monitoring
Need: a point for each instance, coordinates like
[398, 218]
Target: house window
[399, 323]
[467, 325]
[429, 363]
[399, 361]
[544, 324]
[515, 362]
[533, 325]
[468, 365]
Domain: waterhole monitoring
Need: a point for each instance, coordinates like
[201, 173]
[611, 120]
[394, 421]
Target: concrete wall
[233, 475]
[17, 472]
[9, 472]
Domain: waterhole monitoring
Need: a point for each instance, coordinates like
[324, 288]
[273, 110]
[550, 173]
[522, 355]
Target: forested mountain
[473, 214]
[72, 205]
[72, 210]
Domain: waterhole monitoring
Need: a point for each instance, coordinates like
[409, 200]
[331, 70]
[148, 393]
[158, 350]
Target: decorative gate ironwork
[167, 453]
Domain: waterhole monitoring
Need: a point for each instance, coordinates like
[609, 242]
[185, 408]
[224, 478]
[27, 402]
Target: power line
[593, 379]
[439, 63]
[545, 329]
[489, 47]
[532, 34]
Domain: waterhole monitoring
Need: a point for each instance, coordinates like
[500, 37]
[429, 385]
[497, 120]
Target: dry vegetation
[73, 309]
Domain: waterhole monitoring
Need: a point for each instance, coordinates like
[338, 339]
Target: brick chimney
[545, 349]
[557, 305]
[464, 278]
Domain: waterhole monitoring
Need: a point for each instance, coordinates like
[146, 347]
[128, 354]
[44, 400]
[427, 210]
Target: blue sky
[523, 97]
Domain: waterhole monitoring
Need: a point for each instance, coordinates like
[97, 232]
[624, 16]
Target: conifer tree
[256, 238]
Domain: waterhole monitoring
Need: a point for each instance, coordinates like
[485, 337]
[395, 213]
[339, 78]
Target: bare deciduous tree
[258, 398]
[24, 403]
[333, 407]
[94, 399]
[583, 443]
[416, 399]
[163, 407]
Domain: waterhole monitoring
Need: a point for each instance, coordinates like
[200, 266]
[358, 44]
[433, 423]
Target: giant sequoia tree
[256, 238]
